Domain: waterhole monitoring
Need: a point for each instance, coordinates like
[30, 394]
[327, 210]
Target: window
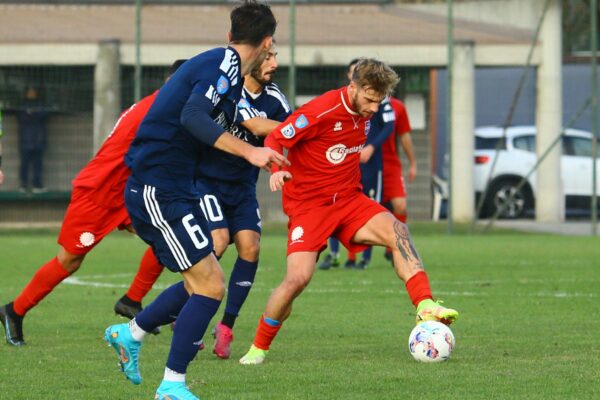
[526, 143]
[482, 143]
[577, 146]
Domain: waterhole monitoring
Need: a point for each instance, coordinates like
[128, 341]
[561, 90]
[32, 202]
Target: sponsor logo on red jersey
[338, 152]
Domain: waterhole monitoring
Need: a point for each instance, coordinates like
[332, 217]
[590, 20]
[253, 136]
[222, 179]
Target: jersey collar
[346, 101]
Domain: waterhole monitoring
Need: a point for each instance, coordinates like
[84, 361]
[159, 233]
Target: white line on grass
[72, 280]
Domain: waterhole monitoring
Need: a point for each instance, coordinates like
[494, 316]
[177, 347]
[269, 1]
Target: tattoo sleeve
[406, 246]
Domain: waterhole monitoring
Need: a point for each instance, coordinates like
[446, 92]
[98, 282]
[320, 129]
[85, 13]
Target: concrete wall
[518, 13]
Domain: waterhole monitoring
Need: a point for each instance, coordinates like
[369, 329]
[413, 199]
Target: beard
[260, 78]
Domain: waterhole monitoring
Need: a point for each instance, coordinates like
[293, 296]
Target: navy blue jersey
[192, 109]
[381, 127]
[219, 165]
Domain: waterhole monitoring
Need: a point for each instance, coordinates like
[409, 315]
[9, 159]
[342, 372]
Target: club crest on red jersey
[288, 131]
[301, 122]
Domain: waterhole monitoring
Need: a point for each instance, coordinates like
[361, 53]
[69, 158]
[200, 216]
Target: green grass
[528, 329]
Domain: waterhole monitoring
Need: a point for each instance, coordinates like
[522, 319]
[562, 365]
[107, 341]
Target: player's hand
[278, 179]
[412, 172]
[265, 157]
[366, 153]
[1, 177]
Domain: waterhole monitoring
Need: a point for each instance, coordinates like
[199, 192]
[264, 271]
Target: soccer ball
[431, 341]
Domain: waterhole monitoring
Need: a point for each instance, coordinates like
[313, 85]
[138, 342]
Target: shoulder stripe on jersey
[230, 66]
[327, 111]
[212, 95]
[159, 222]
[249, 113]
[274, 91]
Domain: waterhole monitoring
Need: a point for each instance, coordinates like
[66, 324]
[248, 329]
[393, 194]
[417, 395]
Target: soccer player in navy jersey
[227, 186]
[191, 111]
[227, 191]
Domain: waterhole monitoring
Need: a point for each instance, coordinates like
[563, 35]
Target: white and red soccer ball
[431, 341]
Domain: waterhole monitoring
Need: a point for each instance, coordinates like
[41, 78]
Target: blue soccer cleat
[169, 390]
[127, 348]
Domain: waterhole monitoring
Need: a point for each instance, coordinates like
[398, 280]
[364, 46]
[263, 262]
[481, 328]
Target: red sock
[148, 272]
[44, 280]
[418, 288]
[265, 334]
[351, 256]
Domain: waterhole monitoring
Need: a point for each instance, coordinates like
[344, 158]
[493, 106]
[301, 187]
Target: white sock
[173, 376]
[136, 332]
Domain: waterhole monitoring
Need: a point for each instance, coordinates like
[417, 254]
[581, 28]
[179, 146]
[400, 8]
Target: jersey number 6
[194, 231]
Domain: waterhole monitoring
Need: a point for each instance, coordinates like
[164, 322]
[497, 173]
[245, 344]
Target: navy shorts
[175, 228]
[229, 205]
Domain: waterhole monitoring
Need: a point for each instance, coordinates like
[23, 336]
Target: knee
[297, 283]
[250, 252]
[399, 206]
[215, 284]
[220, 241]
[220, 248]
[70, 262]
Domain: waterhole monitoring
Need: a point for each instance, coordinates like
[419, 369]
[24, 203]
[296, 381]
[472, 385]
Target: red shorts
[310, 227]
[393, 182]
[85, 223]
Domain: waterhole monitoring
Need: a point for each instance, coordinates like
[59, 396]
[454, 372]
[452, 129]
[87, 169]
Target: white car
[517, 157]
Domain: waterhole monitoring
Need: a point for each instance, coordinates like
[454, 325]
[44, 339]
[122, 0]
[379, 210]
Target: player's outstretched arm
[260, 126]
[278, 179]
[262, 157]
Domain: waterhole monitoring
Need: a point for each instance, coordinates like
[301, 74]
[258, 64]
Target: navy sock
[334, 244]
[366, 255]
[164, 309]
[240, 283]
[191, 326]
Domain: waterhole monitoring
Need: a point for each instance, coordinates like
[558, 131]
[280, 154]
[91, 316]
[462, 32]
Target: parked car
[516, 157]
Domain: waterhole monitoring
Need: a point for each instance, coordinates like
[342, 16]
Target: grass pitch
[528, 328]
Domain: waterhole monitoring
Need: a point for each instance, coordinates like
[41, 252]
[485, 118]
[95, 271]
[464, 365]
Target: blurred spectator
[32, 118]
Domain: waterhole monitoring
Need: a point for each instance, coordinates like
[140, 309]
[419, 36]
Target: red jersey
[402, 126]
[105, 175]
[324, 138]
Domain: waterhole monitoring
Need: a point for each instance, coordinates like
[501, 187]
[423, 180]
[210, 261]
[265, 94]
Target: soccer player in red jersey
[322, 196]
[394, 189]
[97, 207]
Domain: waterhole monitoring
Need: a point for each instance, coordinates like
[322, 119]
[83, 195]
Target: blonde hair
[369, 72]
